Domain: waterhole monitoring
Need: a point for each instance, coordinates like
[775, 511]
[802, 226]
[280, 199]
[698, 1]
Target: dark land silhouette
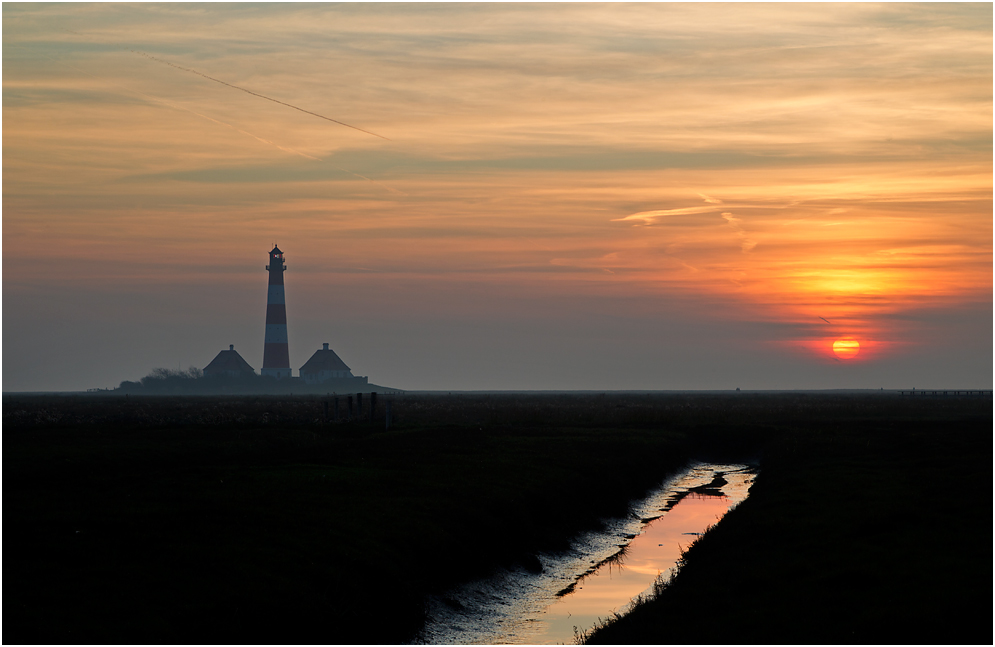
[255, 519]
[193, 381]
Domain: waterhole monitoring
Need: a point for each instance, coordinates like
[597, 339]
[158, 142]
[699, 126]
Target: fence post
[387, 415]
[373, 405]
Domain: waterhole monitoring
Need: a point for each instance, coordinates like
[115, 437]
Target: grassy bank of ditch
[865, 532]
[250, 519]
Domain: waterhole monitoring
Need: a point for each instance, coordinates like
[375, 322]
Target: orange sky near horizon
[786, 174]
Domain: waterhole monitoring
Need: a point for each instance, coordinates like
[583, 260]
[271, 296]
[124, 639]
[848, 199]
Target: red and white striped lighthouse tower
[276, 352]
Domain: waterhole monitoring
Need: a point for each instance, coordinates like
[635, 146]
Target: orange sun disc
[846, 348]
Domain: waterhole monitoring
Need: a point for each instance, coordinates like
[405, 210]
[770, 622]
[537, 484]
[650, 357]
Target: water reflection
[600, 575]
[650, 555]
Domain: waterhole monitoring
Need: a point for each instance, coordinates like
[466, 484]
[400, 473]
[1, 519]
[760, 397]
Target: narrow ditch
[599, 575]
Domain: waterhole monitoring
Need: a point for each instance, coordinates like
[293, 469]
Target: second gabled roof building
[230, 363]
[324, 365]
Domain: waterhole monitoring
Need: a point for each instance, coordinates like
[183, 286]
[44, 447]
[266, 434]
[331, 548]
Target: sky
[502, 196]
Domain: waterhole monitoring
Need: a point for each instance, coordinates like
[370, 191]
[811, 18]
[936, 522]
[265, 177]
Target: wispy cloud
[650, 217]
[746, 244]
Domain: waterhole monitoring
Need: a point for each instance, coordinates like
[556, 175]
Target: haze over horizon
[502, 196]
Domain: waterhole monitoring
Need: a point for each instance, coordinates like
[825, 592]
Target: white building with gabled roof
[230, 363]
[324, 365]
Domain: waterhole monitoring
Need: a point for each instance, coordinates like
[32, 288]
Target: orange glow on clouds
[810, 169]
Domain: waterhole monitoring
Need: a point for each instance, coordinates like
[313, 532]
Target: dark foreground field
[862, 531]
[248, 520]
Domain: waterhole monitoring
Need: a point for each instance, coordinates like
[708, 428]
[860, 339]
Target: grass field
[251, 519]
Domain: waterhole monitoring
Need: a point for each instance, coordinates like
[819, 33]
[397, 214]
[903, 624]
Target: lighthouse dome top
[276, 251]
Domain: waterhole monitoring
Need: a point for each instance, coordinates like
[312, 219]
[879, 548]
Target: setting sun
[846, 348]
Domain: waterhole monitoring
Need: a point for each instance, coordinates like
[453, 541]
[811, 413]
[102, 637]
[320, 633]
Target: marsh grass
[662, 582]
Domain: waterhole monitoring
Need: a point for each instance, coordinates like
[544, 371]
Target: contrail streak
[266, 141]
[256, 94]
[235, 128]
[274, 144]
[170, 104]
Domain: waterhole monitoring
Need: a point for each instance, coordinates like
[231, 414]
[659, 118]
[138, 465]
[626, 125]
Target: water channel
[600, 574]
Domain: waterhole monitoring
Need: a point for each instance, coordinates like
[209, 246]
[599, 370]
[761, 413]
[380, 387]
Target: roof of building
[228, 360]
[324, 360]
[276, 250]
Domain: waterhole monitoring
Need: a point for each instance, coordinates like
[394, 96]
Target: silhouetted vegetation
[254, 519]
[193, 381]
[163, 380]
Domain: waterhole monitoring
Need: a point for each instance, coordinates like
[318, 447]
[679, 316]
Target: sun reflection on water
[600, 575]
[650, 555]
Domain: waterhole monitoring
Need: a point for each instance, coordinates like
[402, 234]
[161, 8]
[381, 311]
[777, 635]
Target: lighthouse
[276, 353]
